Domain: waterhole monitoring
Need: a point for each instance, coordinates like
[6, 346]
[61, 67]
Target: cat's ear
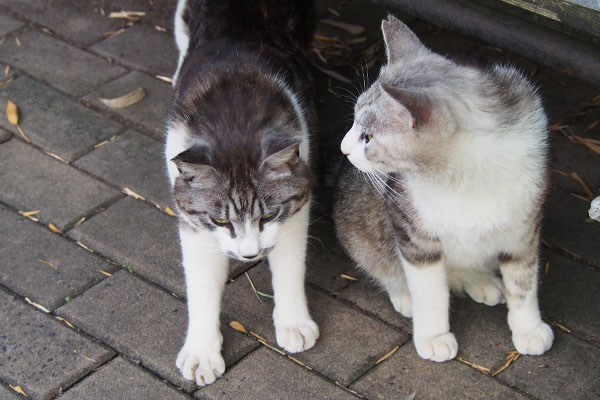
[421, 112]
[281, 162]
[399, 40]
[193, 164]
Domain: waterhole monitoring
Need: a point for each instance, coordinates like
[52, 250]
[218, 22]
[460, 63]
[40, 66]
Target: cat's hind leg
[520, 275]
[206, 269]
[294, 328]
[483, 286]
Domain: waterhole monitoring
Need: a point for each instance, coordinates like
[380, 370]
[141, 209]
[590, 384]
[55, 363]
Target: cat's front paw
[438, 348]
[488, 291]
[297, 336]
[204, 364]
[534, 342]
[402, 303]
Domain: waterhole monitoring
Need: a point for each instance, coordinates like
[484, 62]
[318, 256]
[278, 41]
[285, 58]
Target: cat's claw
[202, 365]
[489, 292]
[402, 303]
[534, 342]
[298, 336]
[438, 348]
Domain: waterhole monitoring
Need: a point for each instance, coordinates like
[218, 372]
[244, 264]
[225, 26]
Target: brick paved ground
[111, 311]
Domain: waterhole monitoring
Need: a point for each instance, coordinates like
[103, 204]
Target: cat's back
[273, 22]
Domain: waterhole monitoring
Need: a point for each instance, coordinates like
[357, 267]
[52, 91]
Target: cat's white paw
[402, 303]
[534, 342]
[297, 336]
[488, 291]
[438, 348]
[203, 364]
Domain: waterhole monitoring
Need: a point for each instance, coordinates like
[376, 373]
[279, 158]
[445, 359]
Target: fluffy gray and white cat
[453, 163]
[237, 153]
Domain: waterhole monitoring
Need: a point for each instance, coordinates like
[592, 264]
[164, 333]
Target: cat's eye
[269, 216]
[367, 137]
[220, 221]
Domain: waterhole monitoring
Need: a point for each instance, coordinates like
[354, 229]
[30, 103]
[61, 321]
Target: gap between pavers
[41, 354]
[144, 323]
[58, 63]
[53, 121]
[43, 266]
[350, 342]
[120, 379]
[31, 180]
[267, 375]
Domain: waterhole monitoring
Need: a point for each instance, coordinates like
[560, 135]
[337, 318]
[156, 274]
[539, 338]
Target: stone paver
[71, 195]
[405, 373]
[267, 375]
[6, 393]
[43, 266]
[80, 21]
[4, 135]
[157, 12]
[569, 370]
[325, 259]
[134, 161]
[41, 354]
[565, 226]
[122, 380]
[144, 323]
[61, 65]
[141, 47]
[150, 112]
[53, 121]
[139, 236]
[8, 24]
[336, 353]
[570, 297]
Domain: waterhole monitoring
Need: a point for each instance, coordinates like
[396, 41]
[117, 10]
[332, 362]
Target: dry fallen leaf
[334, 75]
[354, 29]
[127, 14]
[104, 272]
[65, 321]
[387, 355]
[48, 263]
[36, 305]
[53, 228]
[18, 389]
[29, 213]
[126, 100]
[133, 194]
[350, 278]
[164, 78]
[510, 358]
[84, 246]
[81, 221]
[170, 211]
[12, 112]
[238, 327]
[478, 367]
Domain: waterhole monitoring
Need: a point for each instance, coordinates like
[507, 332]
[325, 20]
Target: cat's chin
[263, 253]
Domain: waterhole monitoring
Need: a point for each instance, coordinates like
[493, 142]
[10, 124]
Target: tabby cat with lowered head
[237, 154]
[453, 175]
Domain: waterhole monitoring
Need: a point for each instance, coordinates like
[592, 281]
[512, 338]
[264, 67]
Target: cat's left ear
[285, 154]
[424, 112]
[399, 40]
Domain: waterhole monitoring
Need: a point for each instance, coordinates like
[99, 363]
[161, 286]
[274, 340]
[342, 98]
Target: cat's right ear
[399, 40]
[192, 164]
[281, 163]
